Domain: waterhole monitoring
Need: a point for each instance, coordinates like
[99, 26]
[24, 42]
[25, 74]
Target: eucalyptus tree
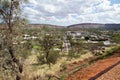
[47, 44]
[10, 16]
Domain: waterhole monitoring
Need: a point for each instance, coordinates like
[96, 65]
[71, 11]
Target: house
[75, 34]
[107, 43]
[34, 37]
[28, 37]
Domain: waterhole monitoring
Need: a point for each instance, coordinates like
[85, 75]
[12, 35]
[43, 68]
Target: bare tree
[10, 17]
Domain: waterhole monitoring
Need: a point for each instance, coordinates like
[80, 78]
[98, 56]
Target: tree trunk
[11, 52]
[47, 54]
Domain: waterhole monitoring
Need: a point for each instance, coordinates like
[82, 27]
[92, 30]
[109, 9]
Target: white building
[106, 43]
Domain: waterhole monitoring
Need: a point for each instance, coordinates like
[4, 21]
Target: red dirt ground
[94, 69]
[113, 74]
[73, 65]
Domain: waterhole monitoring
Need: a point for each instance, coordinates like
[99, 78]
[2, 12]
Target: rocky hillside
[44, 25]
[95, 25]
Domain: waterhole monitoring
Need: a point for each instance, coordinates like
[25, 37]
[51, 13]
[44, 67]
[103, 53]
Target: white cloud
[105, 6]
[66, 12]
[51, 8]
[33, 2]
[29, 10]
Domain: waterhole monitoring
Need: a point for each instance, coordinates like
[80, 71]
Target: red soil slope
[94, 69]
[113, 74]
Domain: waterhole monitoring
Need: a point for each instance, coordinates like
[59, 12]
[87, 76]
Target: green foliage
[63, 76]
[47, 44]
[53, 56]
[25, 53]
[97, 54]
[45, 28]
[24, 50]
[71, 40]
[53, 79]
[110, 52]
[71, 54]
[60, 43]
[116, 38]
[36, 47]
[63, 66]
[41, 59]
[10, 15]
[86, 38]
[100, 43]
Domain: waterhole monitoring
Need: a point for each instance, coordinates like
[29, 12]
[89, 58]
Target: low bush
[63, 76]
[111, 51]
[71, 54]
[53, 56]
[24, 53]
[63, 66]
[41, 59]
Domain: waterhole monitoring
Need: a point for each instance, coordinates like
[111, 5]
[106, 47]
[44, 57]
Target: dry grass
[32, 69]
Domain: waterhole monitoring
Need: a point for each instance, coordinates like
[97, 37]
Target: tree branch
[4, 17]
[3, 11]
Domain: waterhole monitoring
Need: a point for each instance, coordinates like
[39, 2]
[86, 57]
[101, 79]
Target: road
[66, 44]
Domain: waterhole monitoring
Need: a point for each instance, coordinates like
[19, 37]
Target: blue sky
[67, 12]
[115, 1]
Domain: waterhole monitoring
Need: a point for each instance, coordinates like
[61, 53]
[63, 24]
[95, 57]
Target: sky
[68, 12]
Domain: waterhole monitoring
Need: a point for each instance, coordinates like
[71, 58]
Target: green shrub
[63, 76]
[53, 56]
[63, 66]
[53, 79]
[36, 47]
[113, 50]
[25, 53]
[71, 54]
[41, 59]
[110, 52]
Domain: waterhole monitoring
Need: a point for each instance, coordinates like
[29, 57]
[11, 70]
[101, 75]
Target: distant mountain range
[44, 25]
[83, 25]
[95, 25]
